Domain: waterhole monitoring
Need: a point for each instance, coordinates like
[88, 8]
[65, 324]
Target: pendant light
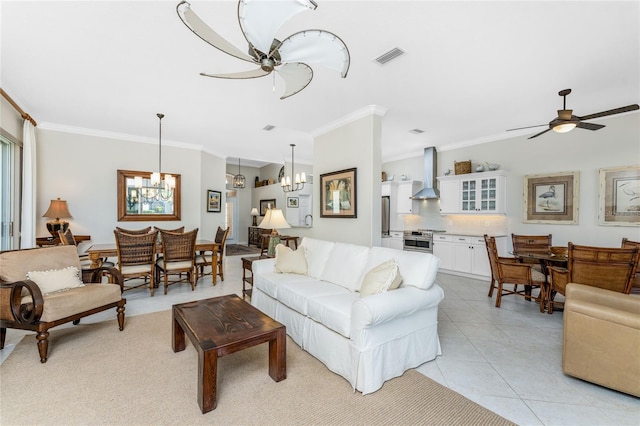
[239, 180]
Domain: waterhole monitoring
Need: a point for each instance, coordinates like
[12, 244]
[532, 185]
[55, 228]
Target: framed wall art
[619, 196]
[214, 201]
[551, 198]
[292, 202]
[338, 195]
[267, 204]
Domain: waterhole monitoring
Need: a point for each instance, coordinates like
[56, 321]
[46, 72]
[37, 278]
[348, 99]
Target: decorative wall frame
[267, 204]
[214, 201]
[292, 202]
[338, 194]
[551, 198]
[619, 196]
[133, 207]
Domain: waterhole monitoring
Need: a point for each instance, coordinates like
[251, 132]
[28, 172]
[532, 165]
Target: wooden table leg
[207, 378]
[177, 336]
[278, 356]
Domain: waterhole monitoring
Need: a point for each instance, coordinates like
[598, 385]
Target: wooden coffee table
[221, 326]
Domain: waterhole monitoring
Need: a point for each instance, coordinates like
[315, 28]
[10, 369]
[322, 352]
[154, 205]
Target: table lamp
[274, 220]
[254, 213]
[57, 209]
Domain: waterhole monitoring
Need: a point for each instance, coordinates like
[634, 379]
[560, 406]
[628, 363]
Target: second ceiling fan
[566, 121]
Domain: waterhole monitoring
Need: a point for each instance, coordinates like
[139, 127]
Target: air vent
[389, 56]
[268, 127]
[416, 131]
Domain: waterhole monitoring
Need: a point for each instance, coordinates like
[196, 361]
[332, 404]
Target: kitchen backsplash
[430, 218]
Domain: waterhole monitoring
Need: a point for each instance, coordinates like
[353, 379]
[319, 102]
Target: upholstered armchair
[601, 337]
[41, 288]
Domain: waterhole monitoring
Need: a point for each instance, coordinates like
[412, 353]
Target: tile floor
[506, 359]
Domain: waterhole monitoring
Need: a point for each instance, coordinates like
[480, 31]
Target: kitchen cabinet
[405, 190]
[395, 240]
[465, 254]
[473, 193]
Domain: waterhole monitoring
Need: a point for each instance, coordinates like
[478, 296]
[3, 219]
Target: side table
[247, 263]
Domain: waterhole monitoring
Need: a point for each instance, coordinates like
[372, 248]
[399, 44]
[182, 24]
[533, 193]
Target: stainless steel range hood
[429, 190]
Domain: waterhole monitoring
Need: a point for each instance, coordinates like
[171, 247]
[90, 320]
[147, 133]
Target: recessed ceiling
[471, 71]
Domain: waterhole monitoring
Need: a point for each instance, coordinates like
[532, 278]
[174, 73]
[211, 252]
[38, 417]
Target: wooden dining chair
[134, 231]
[136, 257]
[178, 257]
[531, 244]
[213, 259]
[604, 267]
[509, 271]
[627, 243]
[67, 239]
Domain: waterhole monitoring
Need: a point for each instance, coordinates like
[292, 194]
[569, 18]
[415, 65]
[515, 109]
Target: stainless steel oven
[418, 241]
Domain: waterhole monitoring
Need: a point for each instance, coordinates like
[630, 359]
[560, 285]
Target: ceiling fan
[566, 121]
[259, 21]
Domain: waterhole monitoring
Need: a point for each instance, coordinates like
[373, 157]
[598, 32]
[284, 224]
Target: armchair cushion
[66, 303]
[55, 280]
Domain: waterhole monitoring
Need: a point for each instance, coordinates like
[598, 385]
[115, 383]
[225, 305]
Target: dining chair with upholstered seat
[134, 231]
[136, 257]
[627, 243]
[531, 244]
[604, 267]
[214, 259]
[509, 271]
[67, 239]
[178, 257]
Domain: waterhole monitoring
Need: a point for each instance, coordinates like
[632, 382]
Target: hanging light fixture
[300, 179]
[239, 180]
[160, 189]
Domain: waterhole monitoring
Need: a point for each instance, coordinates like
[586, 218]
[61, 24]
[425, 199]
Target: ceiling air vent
[389, 56]
[416, 131]
[268, 127]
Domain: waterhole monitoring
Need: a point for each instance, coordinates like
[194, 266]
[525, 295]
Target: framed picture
[214, 201]
[620, 196]
[338, 194]
[551, 198]
[292, 202]
[267, 204]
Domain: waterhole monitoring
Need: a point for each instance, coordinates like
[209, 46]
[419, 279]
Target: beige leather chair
[602, 337]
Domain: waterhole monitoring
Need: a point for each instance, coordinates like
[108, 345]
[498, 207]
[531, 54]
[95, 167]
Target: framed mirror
[148, 202]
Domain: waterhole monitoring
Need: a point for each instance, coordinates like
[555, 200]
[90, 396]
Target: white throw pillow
[383, 277]
[289, 261]
[55, 280]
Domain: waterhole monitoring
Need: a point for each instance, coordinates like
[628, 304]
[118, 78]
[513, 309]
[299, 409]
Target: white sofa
[367, 340]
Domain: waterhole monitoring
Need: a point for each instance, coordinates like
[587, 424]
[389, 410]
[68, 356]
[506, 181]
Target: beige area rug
[240, 249]
[98, 375]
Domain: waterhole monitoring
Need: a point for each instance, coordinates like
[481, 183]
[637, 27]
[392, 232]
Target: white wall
[618, 144]
[356, 144]
[82, 170]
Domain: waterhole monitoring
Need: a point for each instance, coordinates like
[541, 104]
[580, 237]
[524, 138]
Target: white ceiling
[471, 71]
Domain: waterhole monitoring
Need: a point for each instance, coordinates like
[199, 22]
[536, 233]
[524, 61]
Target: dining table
[546, 260]
[99, 251]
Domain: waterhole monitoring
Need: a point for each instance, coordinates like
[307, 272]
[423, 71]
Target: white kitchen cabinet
[465, 254]
[405, 191]
[473, 193]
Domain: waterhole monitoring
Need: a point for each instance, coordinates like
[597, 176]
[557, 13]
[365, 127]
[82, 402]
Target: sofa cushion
[333, 311]
[63, 304]
[55, 280]
[317, 253]
[289, 261]
[417, 269]
[15, 264]
[269, 282]
[296, 295]
[381, 278]
[345, 265]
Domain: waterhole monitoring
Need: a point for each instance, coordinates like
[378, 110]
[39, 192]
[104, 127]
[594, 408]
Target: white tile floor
[506, 359]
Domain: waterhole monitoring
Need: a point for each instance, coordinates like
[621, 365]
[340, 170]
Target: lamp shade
[254, 212]
[57, 209]
[274, 219]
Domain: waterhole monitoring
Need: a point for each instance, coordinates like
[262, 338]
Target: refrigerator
[385, 215]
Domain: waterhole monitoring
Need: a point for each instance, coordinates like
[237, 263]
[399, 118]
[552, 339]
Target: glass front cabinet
[474, 193]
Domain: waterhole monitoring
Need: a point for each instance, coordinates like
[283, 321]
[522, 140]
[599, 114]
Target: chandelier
[286, 183]
[159, 190]
[239, 180]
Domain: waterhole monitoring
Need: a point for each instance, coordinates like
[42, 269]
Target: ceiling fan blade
[260, 20]
[296, 76]
[239, 75]
[590, 126]
[610, 112]
[202, 30]
[316, 47]
[528, 127]
[538, 134]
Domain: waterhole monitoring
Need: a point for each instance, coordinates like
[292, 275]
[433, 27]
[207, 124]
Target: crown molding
[356, 115]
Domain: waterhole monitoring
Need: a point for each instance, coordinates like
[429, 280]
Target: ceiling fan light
[564, 127]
